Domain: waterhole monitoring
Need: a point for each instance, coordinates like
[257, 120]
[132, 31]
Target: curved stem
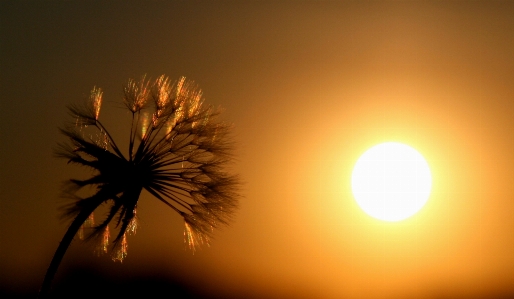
[63, 246]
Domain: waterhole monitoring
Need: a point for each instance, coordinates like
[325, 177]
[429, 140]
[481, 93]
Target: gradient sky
[309, 87]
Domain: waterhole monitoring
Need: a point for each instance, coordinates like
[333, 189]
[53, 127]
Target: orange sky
[309, 87]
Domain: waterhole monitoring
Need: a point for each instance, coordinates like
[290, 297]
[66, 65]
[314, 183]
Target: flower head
[178, 151]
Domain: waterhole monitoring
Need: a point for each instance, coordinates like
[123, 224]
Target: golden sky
[309, 86]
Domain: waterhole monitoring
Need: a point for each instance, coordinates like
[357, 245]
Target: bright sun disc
[391, 181]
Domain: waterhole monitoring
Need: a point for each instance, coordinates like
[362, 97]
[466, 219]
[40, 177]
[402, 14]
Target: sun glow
[391, 181]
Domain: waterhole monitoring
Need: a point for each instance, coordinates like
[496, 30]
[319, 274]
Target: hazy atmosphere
[308, 86]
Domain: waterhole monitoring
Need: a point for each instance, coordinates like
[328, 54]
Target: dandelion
[177, 151]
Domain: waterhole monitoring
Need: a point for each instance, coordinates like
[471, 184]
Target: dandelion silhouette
[178, 151]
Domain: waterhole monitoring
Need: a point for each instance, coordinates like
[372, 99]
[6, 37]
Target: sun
[391, 181]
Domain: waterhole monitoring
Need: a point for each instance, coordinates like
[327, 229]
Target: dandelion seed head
[178, 151]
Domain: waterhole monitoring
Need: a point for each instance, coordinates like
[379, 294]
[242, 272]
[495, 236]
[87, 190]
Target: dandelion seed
[179, 113]
[104, 245]
[144, 124]
[90, 222]
[136, 94]
[105, 141]
[169, 128]
[193, 239]
[163, 93]
[81, 232]
[180, 84]
[121, 252]
[133, 224]
[96, 100]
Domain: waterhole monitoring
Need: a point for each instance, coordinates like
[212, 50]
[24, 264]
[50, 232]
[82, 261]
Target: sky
[309, 86]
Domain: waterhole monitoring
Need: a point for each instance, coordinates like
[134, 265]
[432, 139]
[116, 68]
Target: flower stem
[63, 246]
